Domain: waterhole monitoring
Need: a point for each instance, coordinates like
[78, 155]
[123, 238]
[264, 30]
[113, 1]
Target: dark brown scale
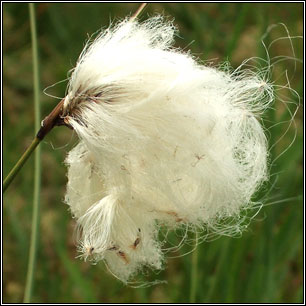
[123, 256]
[137, 241]
[113, 248]
[91, 250]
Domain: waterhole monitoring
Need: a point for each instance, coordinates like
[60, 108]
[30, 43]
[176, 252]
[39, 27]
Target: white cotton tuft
[164, 140]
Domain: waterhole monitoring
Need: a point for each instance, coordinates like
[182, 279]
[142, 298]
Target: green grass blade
[37, 166]
[194, 271]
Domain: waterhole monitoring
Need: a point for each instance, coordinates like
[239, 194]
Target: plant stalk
[138, 12]
[20, 163]
[194, 272]
[49, 122]
[37, 164]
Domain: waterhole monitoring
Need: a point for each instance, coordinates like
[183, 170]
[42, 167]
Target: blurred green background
[264, 265]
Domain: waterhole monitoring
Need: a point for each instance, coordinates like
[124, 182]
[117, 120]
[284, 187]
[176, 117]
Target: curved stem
[48, 123]
[37, 165]
[20, 163]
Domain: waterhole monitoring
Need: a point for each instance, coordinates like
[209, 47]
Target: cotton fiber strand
[165, 141]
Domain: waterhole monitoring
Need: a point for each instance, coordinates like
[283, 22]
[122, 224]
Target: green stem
[50, 121]
[37, 166]
[20, 163]
[194, 272]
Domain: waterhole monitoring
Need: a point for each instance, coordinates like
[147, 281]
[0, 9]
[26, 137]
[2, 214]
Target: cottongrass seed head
[165, 141]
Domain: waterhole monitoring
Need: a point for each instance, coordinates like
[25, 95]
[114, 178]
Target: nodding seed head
[172, 141]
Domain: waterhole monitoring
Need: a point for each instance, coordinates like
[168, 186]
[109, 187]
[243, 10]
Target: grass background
[264, 265]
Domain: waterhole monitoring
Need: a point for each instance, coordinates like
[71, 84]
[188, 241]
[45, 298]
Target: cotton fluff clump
[164, 141]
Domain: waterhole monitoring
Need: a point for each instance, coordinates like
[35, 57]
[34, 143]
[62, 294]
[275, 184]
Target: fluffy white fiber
[164, 141]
